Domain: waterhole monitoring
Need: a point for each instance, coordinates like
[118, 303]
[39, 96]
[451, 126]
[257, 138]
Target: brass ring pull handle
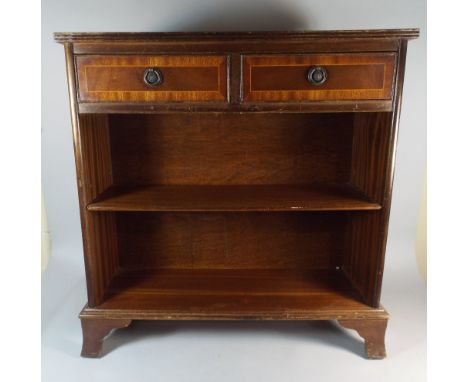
[317, 75]
[153, 77]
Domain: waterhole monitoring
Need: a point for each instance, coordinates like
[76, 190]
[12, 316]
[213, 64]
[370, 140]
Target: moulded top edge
[407, 33]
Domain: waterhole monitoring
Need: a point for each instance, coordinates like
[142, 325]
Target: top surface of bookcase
[404, 33]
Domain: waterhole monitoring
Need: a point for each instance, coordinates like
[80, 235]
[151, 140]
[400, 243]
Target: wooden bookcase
[227, 176]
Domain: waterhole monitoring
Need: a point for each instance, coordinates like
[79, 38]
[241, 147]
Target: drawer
[318, 77]
[141, 78]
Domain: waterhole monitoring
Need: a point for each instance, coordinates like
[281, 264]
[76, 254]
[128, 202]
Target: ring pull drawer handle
[153, 77]
[317, 75]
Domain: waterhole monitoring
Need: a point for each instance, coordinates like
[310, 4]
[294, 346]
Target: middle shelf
[323, 197]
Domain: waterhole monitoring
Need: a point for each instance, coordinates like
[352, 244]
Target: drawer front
[360, 76]
[181, 78]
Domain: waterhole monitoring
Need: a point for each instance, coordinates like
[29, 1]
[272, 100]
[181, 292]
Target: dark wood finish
[235, 76]
[352, 76]
[231, 295]
[227, 42]
[233, 198]
[240, 45]
[373, 333]
[229, 37]
[231, 240]
[93, 168]
[374, 150]
[120, 78]
[368, 174]
[272, 108]
[232, 44]
[228, 149]
[97, 175]
[235, 189]
[370, 153]
[94, 331]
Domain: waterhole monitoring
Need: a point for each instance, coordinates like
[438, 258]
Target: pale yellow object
[45, 237]
[421, 235]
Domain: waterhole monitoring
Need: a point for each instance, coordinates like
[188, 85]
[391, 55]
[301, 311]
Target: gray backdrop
[64, 280]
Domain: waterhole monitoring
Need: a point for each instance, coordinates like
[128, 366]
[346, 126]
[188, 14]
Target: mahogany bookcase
[235, 176]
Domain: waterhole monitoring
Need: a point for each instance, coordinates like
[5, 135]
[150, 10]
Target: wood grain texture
[230, 149]
[96, 156]
[94, 175]
[174, 312]
[213, 240]
[186, 190]
[235, 78]
[371, 146]
[389, 172]
[370, 153]
[119, 78]
[362, 255]
[94, 332]
[233, 294]
[280, 45]
[350, 76]
[374, 150]
[373, 333]
[316, 197]
[229, 37]
[275, 108]
[101, 244]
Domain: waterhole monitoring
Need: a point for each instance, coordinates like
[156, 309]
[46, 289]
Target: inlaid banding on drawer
[188, 78]
[349, 77]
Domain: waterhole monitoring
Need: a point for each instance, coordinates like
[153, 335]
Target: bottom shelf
[184, 294]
